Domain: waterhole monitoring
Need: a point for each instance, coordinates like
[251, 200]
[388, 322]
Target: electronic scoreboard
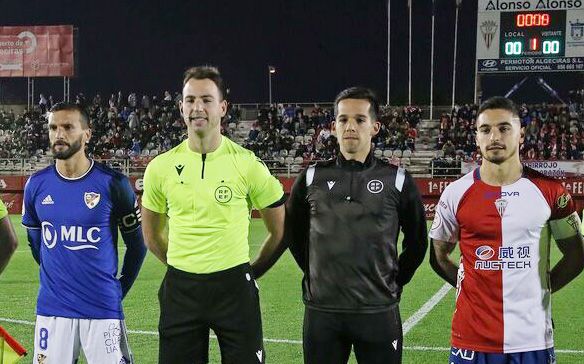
[530, 36]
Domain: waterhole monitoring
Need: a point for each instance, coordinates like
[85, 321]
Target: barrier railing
[444, 168]
[129, 167]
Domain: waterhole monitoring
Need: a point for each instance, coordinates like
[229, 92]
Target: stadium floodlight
[410, 54]
[271, 71]
[388, 48]
[458, 2]
[432, 60]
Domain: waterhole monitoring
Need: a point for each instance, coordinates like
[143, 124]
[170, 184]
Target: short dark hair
[359, 93]
[204, 72]
[498, 102]
[69, 106]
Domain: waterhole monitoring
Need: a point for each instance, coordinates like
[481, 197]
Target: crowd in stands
[293, 134]
[139, 127]
[121, 127]
[552, 131]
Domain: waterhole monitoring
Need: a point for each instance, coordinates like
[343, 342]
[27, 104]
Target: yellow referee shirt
[208, 198]
[3, 210]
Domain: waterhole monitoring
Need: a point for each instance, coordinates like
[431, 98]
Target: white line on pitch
[151, 333]
[286, 341]
[425, 309]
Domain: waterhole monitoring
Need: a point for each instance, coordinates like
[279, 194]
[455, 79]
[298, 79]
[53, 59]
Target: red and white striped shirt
[503, 302]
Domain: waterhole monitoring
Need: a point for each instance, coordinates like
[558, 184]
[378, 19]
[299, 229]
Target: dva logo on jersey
[73, 234]
[91, 199]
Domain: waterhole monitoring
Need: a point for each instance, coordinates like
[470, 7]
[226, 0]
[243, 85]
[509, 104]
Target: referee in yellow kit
[203, 190]
[8, 240]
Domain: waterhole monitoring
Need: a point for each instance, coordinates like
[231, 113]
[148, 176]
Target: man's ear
[376, 128]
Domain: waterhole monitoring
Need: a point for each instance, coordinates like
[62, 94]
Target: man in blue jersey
[72, 211]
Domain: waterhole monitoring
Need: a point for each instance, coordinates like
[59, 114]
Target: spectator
[448, 149]
[43, 103]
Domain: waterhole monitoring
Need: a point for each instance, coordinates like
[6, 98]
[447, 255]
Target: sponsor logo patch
[485, 252]
[489, 63]
[463, 353]
[573, 221]
[437, 221]
[563, 200]
[112, 338]
[394, 344]
[260, 355]
[507, 258]
[48, 201]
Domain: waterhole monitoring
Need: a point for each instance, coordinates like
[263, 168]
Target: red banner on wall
[36, 51]
[12, 183]
[430, 189]
[13, 202]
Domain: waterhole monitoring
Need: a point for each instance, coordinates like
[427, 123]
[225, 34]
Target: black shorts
[226, 302]
[376, 338]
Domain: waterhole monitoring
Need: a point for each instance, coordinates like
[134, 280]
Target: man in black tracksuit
[342, 224]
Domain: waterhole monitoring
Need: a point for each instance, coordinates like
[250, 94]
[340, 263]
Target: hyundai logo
[489, 63]
[484, 252]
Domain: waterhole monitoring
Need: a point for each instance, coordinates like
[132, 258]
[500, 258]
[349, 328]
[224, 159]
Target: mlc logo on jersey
[49, 234]
[91, 199]
[74, 234]
[375, 186]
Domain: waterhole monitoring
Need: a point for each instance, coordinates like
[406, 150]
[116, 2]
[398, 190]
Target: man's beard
[498, 159]
[67, 152]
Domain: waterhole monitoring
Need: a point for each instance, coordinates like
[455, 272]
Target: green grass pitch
[282, 310]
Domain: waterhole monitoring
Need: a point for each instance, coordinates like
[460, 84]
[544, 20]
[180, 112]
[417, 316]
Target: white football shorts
[58, 340]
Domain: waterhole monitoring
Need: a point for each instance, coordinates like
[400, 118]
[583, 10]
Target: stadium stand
[129, 132]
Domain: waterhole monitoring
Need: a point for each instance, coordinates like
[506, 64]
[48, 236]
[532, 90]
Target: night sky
[318, 48]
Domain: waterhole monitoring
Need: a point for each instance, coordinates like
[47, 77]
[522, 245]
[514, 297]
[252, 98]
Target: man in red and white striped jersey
[504, 215]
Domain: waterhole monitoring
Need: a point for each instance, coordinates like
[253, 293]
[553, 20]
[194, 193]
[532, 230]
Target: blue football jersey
[79, 220]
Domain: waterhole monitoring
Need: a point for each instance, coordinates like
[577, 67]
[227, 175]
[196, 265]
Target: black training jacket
[342, 223]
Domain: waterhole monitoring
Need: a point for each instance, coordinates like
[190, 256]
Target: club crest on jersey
[91, 199]
[501, 205]
[563, 200]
